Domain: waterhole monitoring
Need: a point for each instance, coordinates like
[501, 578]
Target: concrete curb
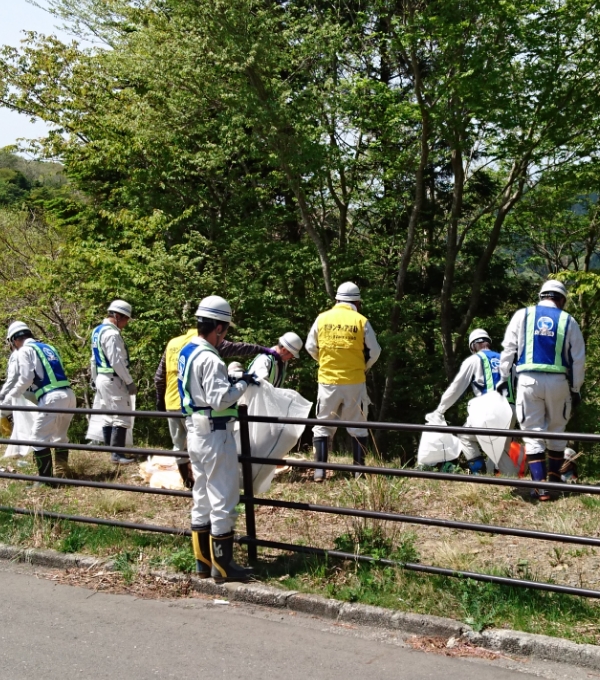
[510, 641]
[52, 558]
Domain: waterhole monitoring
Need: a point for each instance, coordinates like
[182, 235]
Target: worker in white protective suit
[12, 375]
[110, 373]
[547, 347]
[40, 368]
[481, 373]
[209, 400]
[167, 393]
[273, 367]
[344, 343]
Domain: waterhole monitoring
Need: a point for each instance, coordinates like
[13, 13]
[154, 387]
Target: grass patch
[478, 604]
[113, 503]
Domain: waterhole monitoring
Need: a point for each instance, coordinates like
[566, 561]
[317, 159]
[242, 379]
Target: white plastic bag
[161, 472]
[97, 422]
[491, 410]
[437, 447]
[271, 440]
[22, 427]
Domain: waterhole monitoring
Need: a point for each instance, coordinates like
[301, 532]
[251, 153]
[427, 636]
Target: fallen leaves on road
[145, 586]
[439, 645]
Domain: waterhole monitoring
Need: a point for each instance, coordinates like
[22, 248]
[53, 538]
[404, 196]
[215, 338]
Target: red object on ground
[516, 453]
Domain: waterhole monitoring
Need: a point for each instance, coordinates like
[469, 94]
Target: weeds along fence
[250, 501]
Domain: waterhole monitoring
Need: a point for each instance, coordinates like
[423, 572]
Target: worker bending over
[272, 366]
[481, 373]
[345, 345]
[548, 349]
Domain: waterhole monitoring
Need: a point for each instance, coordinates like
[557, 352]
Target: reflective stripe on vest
[174, 347]
[186, 359]
[491, 371]
[341, 339]
[275, 376]
[54, 377]
[545, 333]
[102, 364]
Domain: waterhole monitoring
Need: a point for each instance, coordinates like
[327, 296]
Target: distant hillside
[19, 176]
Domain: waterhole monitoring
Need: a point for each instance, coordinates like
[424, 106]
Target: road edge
[514, 642]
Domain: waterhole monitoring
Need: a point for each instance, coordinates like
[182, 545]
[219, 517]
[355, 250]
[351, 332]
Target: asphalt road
[50, 631]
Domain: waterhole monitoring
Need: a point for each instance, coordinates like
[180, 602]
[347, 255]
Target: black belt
[221, 423]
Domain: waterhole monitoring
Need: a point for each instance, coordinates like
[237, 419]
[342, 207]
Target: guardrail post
[246, 460]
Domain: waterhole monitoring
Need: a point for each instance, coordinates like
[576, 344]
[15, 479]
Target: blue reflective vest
[186, 359]
[102, 363]
[544, 346]
[53, 377]
[490, 362]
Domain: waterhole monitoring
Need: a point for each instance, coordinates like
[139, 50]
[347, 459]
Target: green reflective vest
[186, 359]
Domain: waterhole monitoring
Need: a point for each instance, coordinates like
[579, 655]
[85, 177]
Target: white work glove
[435, 418]
[235, 371]
[131, 389]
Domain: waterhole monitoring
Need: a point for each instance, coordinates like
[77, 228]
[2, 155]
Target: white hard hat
[120, 307]
[214, 307]
[16, 328]
[553, 286]
[292, 342]
[348, 292]
[478, 335]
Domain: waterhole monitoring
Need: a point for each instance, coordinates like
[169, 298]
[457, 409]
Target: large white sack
[491, 410]
[271, 440]
[22, 426]
[98, 421]
[437, 447]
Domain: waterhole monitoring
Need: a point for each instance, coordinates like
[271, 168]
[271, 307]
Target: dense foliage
[441, 154]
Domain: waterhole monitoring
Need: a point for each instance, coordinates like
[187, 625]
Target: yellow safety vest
[341, 346]
[174, 346]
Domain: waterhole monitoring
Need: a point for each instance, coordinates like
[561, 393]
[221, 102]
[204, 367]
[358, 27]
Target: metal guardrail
[250, 501]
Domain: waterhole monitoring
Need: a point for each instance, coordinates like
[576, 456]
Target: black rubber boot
[117, 439]
[359, 450]
[556, 460]
[223, 566]
[185, 470]
[107, 434]
[320, 444]
[43, 460]
[61, 463]
[201, 546]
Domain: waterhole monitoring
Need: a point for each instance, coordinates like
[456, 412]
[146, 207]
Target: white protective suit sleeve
[514, 340]
[312, 341]
[114, 350]
[12, 375]
[29, 365]
[93, 368]
[373, 350]
[460, 384]
[261, 366]
[209, 384]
